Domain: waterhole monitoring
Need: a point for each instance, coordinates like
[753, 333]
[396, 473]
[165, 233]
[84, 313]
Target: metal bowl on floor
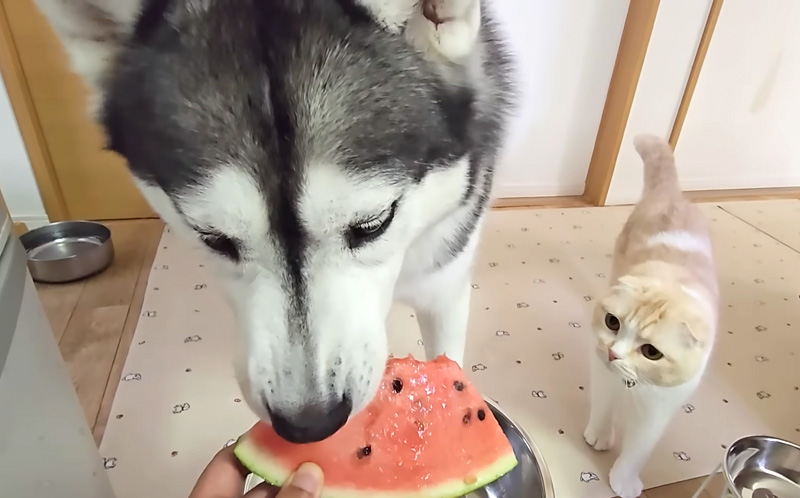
[529, 479]
[762, 467]
[68, 250]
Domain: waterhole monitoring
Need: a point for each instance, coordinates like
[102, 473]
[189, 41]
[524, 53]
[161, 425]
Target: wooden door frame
[28, 122]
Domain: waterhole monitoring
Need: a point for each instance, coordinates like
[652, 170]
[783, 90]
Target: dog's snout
[313, 422]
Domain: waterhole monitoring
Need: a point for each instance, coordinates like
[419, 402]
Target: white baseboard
[631, 194]
[31, 222]
[501, 191]
[741, 182]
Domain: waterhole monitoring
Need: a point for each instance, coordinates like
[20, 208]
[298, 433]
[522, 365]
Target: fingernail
[308, 478]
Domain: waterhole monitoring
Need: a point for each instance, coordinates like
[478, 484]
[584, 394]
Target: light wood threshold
[19, 228]
[694, 74]
[29, 127]
[566, 201]
[624, 81]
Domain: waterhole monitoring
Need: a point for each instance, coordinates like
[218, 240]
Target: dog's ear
[91, 31]
[440, 28]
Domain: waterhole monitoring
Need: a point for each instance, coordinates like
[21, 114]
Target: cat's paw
[597, 439]
[625, 484]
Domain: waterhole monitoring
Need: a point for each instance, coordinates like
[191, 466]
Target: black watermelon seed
[458, 385]
[397, 385]
[467, 418]
[364, 452]
[481, 415]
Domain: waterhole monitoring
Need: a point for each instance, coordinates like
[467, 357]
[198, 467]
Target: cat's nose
[612, 355]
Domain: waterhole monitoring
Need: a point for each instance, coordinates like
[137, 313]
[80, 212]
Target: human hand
[225, 477]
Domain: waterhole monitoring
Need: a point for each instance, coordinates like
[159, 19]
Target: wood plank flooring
[94, 321]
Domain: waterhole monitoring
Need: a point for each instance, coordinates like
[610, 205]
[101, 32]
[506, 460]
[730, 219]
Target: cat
[655, 327]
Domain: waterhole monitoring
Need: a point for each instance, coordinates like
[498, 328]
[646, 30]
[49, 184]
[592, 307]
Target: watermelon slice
[427, 434]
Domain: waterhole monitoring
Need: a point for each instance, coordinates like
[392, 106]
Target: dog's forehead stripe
[282, 184]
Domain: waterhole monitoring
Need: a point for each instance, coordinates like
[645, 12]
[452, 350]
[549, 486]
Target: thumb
[306, 482]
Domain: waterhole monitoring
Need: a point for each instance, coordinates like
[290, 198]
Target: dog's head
[306, 144]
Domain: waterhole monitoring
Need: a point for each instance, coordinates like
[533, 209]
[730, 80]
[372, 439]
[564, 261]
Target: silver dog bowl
[763, 467]
[529, 479]
[68, 250]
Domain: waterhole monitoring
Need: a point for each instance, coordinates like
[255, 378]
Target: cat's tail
[660, 172]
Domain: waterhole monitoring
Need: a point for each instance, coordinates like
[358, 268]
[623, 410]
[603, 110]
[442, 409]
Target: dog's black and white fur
[332, 155]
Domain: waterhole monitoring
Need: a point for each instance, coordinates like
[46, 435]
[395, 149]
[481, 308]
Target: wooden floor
[94, 321]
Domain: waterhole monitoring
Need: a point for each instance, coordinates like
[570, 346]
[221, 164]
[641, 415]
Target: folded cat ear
[690, 335]
[631, 283]
[451, 28]
[446, 29]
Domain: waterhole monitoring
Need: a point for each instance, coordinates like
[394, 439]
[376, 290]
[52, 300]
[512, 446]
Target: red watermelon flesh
[427, 434]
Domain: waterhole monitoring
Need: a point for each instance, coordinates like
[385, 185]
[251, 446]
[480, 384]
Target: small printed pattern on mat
[778, 218]
[536, 278]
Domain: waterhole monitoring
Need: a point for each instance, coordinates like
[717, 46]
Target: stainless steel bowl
[529, 479]
[68, 250]
[763, 467]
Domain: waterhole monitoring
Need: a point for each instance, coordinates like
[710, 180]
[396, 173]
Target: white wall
[743, 125]
[673, 45]
[16, 176]
[566, 51]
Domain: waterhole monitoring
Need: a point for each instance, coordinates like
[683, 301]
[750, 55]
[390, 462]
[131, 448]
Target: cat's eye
[364, 232]
[612, 322]
[651, 352]
[221, 244]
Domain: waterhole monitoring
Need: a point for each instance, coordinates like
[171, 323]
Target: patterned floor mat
[536, 277]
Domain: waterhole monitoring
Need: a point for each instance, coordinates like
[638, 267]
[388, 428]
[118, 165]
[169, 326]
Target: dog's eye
[366, 231]
[221, 244]
[612, 322]
[651, 352]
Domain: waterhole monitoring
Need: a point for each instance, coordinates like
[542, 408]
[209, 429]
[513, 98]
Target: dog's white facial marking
[230, 202]
[338, 347]
[227, 203]
[348, 294]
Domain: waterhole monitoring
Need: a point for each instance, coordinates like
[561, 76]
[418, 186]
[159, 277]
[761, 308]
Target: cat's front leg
[650, 412]
[605, 388]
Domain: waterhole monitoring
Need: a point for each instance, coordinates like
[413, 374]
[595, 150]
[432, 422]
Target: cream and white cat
[656, 325]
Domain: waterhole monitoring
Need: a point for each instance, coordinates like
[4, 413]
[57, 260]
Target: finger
[306, 482]
[222, 478]
[263, 490]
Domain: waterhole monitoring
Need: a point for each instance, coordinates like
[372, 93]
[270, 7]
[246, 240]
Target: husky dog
[332, 156]
[656, 325]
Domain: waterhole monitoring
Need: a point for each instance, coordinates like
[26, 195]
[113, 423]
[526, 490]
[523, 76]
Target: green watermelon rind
[269, 469]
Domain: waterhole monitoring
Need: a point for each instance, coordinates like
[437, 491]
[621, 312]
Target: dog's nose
[314, 422]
